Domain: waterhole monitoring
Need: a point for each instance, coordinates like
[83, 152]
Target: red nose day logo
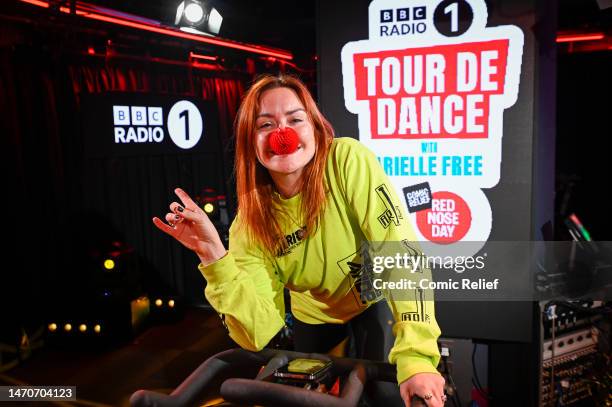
[448, 219]
[429, 88]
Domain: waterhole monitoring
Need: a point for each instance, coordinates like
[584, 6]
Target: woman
[302, 218]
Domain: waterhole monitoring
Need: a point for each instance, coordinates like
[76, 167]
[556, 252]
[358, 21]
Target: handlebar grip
[416, 401]
[144, 398]
[204, 381]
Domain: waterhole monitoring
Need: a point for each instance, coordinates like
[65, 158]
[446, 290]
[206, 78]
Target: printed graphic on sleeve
[392, 213]
[429, 88]
[360, 278]
[420, 315]
[408, 248]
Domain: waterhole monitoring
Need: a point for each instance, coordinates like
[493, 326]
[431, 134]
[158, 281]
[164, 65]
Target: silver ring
[428, 396]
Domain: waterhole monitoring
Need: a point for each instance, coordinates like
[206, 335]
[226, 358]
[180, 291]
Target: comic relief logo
[418, 197]
[429, 88]
[145, 124]
[432, 92]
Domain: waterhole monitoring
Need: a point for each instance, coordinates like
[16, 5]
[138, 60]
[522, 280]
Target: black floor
[158, 359]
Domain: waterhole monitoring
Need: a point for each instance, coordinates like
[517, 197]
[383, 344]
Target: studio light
[194, 13]
[198, 16]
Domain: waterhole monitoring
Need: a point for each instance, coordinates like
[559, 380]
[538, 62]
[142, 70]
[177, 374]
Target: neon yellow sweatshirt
[323, 271]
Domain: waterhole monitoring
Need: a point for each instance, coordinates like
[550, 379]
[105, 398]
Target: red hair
[254, 185]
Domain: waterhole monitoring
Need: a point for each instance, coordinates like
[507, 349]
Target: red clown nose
[283, 141]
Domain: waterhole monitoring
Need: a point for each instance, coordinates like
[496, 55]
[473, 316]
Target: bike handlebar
[228, 374]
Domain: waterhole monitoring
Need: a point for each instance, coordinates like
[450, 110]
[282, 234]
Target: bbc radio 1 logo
[403, 21]
[145, 124]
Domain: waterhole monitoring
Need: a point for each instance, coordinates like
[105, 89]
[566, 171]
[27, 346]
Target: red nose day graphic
[448, 219]
[429, 87]
[283, 141]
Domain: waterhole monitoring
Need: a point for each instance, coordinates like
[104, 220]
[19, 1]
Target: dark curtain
[59, 204]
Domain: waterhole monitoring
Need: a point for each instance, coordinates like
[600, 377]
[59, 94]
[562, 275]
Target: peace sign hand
[189, 225]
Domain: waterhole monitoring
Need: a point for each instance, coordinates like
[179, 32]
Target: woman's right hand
[189, 225]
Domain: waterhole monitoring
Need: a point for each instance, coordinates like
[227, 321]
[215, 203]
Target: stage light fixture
[126, 20]
[82, 327]
[199, 17]
[68, 327]
[52, 327]
[158, 302]
[97, 329]
[194, 13]
[109, 264]
[171, 303]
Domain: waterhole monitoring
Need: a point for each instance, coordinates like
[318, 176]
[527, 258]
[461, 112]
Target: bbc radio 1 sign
[430, 87]
[145, 124]
[127, 124]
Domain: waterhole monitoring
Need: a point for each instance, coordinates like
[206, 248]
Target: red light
[193, 37]
[91, 51]
[580, 37]
[205, 57]
[205, 66]
[574, 219]
[37, 3]
[257, 49]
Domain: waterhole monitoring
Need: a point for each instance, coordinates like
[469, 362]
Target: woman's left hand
[428, 386]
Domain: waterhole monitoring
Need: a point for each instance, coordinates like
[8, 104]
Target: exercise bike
[238, 377]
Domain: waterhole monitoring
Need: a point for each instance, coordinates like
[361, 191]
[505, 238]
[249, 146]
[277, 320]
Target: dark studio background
[77, 205]
[60, 206]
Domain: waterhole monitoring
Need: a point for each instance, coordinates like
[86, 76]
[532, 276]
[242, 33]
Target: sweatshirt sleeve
[381, 217]
[244, 289]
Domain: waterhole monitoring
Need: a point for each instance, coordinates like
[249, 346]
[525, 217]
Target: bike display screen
[304, 369]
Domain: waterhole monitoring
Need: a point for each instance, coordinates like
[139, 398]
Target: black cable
[551, 392]
[475, 379]
[456, 399]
